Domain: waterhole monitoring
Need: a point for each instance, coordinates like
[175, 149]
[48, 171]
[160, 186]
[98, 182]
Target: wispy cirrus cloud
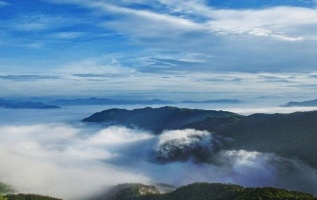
[276, 21]
[4, 3]
[232, 36]
[36, 22]
[126, 43]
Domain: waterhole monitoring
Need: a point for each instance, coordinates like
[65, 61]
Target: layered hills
[291, 135]
[106, 101]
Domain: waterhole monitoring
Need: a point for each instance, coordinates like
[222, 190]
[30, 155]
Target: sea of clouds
[74, 161]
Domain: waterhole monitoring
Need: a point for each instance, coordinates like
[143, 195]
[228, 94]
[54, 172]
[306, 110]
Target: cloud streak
[99, 77]
[27, 77]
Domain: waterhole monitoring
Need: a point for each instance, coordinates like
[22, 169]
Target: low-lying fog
[50, 152]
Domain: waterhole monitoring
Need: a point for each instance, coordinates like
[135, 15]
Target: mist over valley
[52, 152]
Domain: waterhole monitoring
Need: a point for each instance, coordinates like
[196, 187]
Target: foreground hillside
[205, 191]
[290, 135]
[195, 191]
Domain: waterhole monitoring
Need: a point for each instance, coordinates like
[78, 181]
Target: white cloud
[67, 35]
[69, 162]
[56, 160]
[147, 24]
[35, 22]
[266, 33]
[277, 39]
[286, 20]
[230, 36]
[123, 136]
[276, 20]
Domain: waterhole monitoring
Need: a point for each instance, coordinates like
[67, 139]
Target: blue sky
[173, 49]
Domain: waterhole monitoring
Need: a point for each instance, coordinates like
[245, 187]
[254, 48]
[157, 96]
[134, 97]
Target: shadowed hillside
[291, 135]
[155, 119]
[209, 191]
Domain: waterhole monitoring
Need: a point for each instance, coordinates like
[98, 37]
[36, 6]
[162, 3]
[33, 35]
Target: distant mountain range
[310, 103]
[218, 101]
[271, 133]
[104, 101]
[25, 105]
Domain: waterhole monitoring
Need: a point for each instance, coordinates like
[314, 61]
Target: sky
[168, 49]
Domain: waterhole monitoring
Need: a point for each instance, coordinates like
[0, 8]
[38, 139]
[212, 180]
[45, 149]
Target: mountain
[288, 135]
[25, 105]
[103, 101]
[28, 197]
[155, 119]
[127, 191]
[310, 103]
[204, 191]
[216, 101]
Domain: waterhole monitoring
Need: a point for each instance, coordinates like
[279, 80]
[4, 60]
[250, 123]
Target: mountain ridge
[25, 105]
[269, 133]
[309, 103]
[204, 191]
[106, 101]
[154, 119]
